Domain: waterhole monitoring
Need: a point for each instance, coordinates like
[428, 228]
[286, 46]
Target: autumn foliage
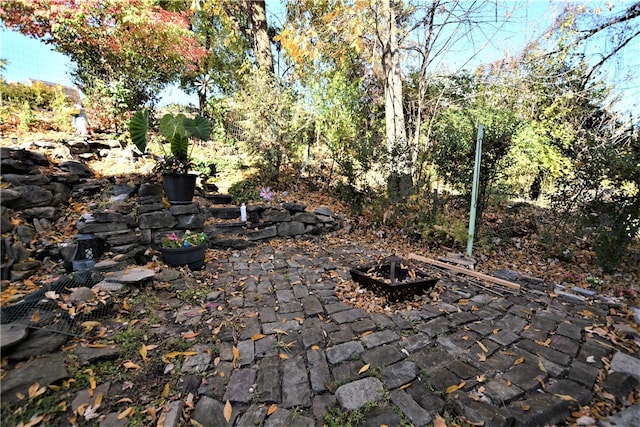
[124, 52]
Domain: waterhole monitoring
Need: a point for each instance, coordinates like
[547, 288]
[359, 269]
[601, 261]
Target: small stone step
[230, 243]
[226, 228]
[219, 199]
[225, 212]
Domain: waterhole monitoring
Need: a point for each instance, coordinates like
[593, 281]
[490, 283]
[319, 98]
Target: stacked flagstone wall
[42, 201]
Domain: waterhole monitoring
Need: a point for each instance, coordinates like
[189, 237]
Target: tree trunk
[399, 181]
[261, 42]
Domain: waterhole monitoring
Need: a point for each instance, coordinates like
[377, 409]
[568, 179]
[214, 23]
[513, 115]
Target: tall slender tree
[260, 35]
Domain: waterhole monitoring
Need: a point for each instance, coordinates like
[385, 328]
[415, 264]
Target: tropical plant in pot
[178, 131]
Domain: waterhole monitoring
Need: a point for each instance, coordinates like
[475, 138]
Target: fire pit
[394, 278]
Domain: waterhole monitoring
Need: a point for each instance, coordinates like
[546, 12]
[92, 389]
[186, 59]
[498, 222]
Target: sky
[30, 58]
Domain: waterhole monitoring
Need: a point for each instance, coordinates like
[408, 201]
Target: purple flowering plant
[171, 240]
[266, 193]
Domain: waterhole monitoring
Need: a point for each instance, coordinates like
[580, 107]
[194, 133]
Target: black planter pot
[179, 188]
[193, 256]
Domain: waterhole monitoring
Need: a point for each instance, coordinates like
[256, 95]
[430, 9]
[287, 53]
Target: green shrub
[244, 191]
[27, 117]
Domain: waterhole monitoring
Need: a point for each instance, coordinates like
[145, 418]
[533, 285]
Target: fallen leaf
[439, 421]
[35, 317]
[236, 355]
[257, 337]
[283, 356]
[143, 353]
[228, 410]
[482, 357]
[166, 390]
[174, 354]
[125, 400]
[518, 361]
[541, 366]
[455, 387]
[80, 410]
[89, 325]
[482, 346]
[127, 412]
[544, 343]
[188, 401]
[130, 365]
[525, 407]
[407, 385]
[190, 335]
[566, 397]
[585, 313]
[98, 401]
[272, 409]
[279, 331]
[34, 420]
[194, 423]
[61, 407]
[35, 390]
[315, 347]
[91, 413]
[365, 368]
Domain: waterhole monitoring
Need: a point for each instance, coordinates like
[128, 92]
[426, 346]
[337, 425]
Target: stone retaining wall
[129, 217]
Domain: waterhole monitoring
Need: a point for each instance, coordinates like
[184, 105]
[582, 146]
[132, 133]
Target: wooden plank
[468, 272]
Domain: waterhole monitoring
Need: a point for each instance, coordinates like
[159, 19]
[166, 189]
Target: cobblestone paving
[505, 360]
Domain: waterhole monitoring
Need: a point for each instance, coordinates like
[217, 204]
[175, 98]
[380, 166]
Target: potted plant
[178, 130]
[188, 249]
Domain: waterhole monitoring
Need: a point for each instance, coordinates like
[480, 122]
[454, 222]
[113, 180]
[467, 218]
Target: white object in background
[243, 213]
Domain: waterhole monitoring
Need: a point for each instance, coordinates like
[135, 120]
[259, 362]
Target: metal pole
[474, 190]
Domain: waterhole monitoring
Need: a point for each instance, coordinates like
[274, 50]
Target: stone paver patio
[283, 348]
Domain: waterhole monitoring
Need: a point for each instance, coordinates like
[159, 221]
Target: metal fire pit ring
[395, 270]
